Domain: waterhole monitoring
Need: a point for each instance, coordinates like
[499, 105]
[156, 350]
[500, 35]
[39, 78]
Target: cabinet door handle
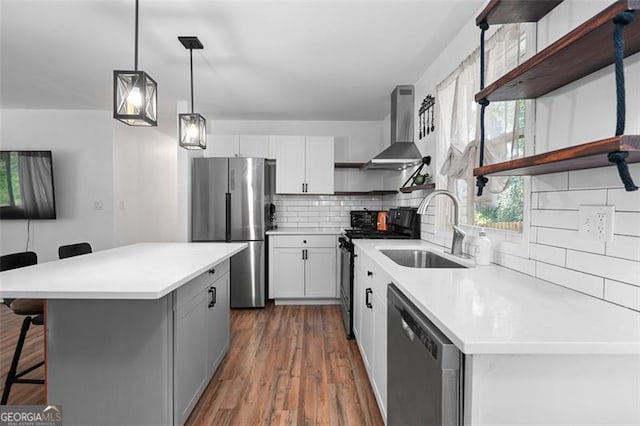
[306, 254]
[212, 271]
[369, 273]
[306, 187]
[214, 296]
[303, 187]
[367, 293]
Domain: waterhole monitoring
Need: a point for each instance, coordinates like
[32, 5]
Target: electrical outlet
[596, 222]
[98, 205]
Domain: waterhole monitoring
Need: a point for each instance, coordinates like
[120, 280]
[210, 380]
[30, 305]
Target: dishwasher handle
[407, 330]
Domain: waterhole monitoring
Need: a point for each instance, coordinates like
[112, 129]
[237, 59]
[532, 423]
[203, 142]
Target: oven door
[346, 282]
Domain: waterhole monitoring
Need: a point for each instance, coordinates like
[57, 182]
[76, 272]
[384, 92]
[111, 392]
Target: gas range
[358, 233]
[403, 223]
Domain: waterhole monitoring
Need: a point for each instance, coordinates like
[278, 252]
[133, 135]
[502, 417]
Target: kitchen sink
[420, 259]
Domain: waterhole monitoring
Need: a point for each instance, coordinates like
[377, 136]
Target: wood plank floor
[289, 365]
[32, 353]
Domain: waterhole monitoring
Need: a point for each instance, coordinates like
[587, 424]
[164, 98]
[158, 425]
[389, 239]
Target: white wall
[580, 112]
[82, 150]
[145, 185]
[131, 172]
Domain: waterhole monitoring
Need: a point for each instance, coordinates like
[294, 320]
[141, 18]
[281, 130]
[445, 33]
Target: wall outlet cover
[596, 222]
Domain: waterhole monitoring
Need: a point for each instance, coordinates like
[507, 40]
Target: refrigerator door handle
[227, 217]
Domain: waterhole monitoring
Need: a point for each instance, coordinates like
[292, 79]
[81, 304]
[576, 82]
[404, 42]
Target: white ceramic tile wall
[557, 252]
[322, 211]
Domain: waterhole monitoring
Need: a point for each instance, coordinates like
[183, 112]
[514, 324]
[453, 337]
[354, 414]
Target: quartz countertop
[138, 271]
[495, 310]
[305, 231]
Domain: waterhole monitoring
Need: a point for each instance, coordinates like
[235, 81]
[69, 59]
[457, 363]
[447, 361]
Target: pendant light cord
[135, 60]
[191, 68]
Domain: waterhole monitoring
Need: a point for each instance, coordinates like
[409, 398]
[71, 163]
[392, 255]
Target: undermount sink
[420, 259]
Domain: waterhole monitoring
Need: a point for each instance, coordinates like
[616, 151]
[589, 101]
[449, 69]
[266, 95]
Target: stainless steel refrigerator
[231, 200]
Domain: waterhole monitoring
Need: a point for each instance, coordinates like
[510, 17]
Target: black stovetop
[373, 234]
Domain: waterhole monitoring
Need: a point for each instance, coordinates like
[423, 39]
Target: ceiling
[284, 60]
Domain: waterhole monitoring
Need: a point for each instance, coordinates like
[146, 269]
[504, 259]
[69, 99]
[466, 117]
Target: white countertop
[139, 271]
[305, 231]
[494, 310]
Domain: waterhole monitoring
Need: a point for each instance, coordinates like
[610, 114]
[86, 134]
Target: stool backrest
[14, 261]
[18, 260]
[74, 250]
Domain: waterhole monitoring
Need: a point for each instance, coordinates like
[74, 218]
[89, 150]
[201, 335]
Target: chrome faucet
[458, 233]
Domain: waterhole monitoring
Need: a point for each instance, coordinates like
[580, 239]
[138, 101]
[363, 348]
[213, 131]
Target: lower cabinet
[302, 266]
[370, 324]
[201, 336]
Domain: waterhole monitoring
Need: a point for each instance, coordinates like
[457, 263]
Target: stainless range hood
[403, 152]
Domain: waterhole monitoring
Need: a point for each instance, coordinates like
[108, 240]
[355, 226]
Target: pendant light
[192, 126]
[135, 93]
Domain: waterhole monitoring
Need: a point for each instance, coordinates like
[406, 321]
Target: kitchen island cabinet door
[218, 323]
[290, 164]
[288, 272]
[319, 165]
[319, 281]
[190, 353]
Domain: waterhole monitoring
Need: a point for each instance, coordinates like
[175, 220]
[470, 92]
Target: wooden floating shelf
[347, 165]
[585, 156]
[376, 192]
[509, 11]
[418, 187]
[581, 52]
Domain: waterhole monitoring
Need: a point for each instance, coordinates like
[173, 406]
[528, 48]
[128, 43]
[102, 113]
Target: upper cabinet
[304, 164]
[238, 146]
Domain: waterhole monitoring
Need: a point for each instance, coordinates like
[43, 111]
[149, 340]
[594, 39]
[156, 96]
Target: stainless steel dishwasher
[424, 374]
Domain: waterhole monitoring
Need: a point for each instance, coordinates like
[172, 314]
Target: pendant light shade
[135, 93]
[135, 98]
[193, 131]
[192, 127]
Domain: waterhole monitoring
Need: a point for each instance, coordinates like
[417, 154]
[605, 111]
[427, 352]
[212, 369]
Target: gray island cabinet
[133, 334]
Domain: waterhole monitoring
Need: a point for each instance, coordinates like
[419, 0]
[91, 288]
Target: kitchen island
[133, 334]
[534, 352]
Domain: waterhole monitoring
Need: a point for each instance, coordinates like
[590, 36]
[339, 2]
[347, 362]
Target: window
[502, 204]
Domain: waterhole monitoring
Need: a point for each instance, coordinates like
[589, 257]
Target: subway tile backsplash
[321, 211]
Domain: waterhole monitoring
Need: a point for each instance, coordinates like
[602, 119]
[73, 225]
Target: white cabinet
[201, 336]
[370, 323]
[287, 267]
[237, 146]
[304, 165]
[320, 165]
[290, 164]
[302, 266]
[218, 322]
[318, 277]
[254, 146]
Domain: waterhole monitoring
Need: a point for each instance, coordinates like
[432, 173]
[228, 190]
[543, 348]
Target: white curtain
[459, 137]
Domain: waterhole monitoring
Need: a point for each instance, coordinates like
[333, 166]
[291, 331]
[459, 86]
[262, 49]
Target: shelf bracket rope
[619, 158]
[481, 181]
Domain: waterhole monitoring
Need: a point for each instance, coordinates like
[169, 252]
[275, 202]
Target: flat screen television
[26, 185]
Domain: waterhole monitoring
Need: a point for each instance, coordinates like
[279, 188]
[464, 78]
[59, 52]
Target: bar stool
[72, 250]
[33, 311]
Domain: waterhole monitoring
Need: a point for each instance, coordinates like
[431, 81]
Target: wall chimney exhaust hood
[403, 152]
